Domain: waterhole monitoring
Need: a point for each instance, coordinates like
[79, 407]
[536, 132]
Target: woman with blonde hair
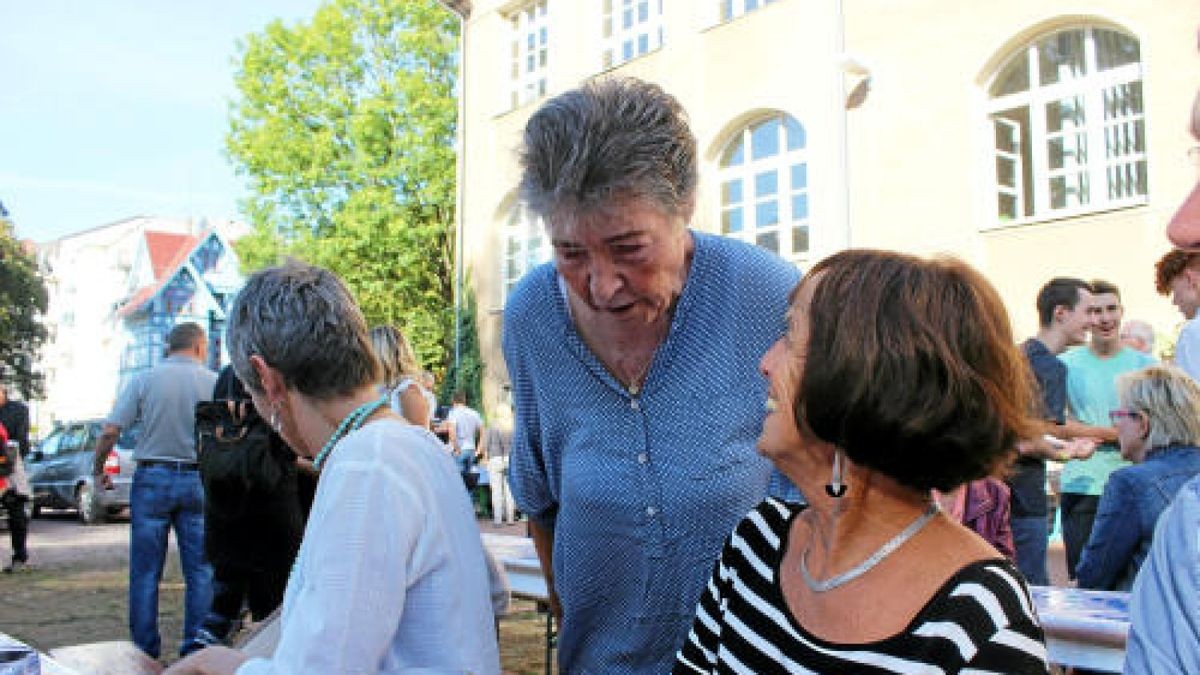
[1158, 427]
[401, 374]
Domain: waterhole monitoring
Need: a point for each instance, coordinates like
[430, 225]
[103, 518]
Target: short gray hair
[302, 321]
[611, 138]
[1170, 398]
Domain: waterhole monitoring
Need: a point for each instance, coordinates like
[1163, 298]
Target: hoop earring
[836, 487]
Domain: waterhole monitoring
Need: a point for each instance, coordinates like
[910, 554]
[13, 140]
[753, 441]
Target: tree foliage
[467, 375]
[344, 128]
[22, 303]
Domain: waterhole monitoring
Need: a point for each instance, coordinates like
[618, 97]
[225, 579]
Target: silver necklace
[863, 567]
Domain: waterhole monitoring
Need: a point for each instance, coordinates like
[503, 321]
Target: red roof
[168, 251]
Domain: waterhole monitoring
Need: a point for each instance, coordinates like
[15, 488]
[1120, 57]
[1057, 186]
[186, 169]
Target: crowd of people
[846, 474]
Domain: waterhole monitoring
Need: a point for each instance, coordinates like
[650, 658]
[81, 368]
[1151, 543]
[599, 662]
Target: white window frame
[529, 60]
[614, 34]
[1090, 88]
[728, 10]
[526, 244]
[749, 170]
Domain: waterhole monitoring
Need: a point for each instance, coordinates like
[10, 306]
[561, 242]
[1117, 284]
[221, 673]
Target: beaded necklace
[349, 423]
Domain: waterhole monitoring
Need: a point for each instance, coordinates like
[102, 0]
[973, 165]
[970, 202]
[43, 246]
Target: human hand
[1080, 448]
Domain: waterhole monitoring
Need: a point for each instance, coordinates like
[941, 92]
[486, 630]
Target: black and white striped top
[980, 621]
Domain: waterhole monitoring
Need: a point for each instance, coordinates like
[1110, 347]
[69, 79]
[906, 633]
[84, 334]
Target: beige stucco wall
[914, 151]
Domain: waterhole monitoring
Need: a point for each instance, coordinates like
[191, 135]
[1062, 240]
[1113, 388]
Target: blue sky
[119, 108]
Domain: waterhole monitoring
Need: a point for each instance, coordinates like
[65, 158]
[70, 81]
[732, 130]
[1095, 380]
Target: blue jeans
[163, 498]
[1030, 539]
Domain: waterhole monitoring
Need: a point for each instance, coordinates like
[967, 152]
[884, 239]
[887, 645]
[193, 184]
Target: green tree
[22, 302]
[344, 127]
[468, 374]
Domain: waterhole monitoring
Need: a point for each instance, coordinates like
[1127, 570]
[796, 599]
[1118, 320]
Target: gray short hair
[1170, 398]
[613, 137]
[302, 321]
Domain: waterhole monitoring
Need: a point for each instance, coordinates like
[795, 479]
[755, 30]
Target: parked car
[60, 472]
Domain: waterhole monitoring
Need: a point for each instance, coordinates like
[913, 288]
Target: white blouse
[391, 575]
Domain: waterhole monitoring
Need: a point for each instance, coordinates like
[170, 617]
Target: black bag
[239, 456]
[8, 458]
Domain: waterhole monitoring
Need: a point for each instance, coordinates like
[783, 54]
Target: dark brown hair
[911, 368]
[1172, 265]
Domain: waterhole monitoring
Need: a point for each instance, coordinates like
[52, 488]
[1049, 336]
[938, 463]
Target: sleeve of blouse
[699, 651]
[345, 613]
[1115, 536]
[527, 476]
[1018, 644]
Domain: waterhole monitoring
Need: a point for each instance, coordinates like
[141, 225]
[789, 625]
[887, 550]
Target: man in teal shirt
[1091, 393]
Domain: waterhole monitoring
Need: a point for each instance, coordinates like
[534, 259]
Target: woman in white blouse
[391, 574]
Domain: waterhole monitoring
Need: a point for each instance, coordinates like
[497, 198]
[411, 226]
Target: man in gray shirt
[166, 486]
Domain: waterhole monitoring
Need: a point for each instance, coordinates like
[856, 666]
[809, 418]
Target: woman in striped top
[914, 384]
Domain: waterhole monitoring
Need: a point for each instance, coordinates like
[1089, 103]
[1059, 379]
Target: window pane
[766, 184]
[764, 139]
[1067, 151]
[751, 4]
[800, 207]
[1123, 100]
[1006, 172]
[1067, 191]
[799, 176]
[731, 221]
[800, 239]
[1064, 114]
[1014, 77]
[1115, 49]
[794, 133]
[766, 213]
[643, 43]
[734, 152]
[768, 240]
[726, 10]
[1124, 139]
[1127, 180]
[1007, 206]
[731, 192]
[643, 12]
[1060, 57]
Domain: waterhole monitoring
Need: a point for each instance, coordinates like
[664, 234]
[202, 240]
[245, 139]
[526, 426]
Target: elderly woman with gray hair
[632, 359]
[391, 574]
[1158, 427]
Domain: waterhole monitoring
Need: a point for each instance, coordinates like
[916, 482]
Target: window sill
[1066, 215]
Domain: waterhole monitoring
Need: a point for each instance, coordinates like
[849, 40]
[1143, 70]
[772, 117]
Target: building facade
[1031, 139]
[114, 292]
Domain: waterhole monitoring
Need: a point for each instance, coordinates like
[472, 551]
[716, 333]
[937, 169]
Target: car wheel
[89, 511]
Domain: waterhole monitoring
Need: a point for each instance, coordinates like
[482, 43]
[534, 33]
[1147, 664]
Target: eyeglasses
[1115, 416]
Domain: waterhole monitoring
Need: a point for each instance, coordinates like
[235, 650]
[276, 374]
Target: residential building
[115, 291]
[1032, 139]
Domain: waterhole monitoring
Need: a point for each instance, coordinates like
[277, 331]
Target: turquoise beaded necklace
[349, 423]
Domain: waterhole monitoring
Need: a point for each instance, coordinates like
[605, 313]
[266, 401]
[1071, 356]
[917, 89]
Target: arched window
[525, 245]
[764, 186]
[1068, 125]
